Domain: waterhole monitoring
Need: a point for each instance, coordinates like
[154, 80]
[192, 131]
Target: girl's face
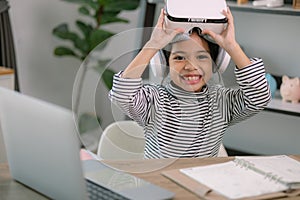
[190, 63]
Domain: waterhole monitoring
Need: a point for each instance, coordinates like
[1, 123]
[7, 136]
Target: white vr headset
[188, 14]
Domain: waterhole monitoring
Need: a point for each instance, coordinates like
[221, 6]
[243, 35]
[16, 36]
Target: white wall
[275, 38]
[42, 74]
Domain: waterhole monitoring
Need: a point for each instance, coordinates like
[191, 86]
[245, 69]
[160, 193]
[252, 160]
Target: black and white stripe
[178, 123]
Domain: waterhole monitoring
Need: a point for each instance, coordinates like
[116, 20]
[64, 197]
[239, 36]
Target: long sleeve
[253, 94]
[132, 97]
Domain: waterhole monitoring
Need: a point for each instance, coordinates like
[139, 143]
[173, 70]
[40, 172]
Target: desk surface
[4, 71]
[10, 189]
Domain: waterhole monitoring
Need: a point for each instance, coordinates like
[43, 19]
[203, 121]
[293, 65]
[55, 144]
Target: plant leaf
[83, 46]
[110, 19]
[107, 78]
[62, 31]
[106, 74]
[94, 4]
[98, 36]
[84, 10]
[86, 29]
[122, 5]
[64, 51]
[101, 65]
[88, 121]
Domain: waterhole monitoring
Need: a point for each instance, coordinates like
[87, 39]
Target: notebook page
[232, 180]
[281, 166]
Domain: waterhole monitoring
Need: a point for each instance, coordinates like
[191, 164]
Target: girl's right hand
[227, 38]
[161, 36]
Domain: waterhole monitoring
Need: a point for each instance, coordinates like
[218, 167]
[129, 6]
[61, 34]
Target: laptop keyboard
[98, 192]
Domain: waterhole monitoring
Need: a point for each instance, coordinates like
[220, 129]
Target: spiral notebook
[244, 177]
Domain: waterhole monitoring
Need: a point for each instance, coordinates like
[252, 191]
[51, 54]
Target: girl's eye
[202, 57]
[179, 58]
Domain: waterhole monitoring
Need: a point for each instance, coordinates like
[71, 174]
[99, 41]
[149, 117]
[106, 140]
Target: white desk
[10, 189]
[7, 78]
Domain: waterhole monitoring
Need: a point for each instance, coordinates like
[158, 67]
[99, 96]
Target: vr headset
[188, 14]
[204, 14]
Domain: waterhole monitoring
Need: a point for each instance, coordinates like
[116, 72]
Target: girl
[188, 117]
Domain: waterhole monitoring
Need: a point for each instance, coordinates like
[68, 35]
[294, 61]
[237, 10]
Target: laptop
[42, 147]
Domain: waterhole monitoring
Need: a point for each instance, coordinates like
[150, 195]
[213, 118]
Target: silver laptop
[43, 153]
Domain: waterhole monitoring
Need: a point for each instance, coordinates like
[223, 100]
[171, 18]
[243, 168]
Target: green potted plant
[88, 35]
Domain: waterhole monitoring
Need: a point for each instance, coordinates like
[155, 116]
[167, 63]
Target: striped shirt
[179, 123]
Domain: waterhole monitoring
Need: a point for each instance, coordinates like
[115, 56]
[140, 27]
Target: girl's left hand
[161, 36]
[226, 39]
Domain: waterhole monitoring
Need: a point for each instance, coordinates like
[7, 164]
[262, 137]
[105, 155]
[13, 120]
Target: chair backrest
[122, 140]
[222, 151]
[125, 140]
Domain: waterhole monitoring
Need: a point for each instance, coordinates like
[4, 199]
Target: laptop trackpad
[123, 183]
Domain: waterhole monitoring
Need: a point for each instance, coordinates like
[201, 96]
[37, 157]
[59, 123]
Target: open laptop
[42, 148]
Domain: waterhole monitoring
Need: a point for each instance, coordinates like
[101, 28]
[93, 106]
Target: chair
[122, 140]
[125, 140]
[222, 151]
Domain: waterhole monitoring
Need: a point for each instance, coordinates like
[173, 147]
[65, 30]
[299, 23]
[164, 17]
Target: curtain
[7, 50]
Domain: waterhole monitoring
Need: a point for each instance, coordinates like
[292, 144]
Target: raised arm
[160, 38]
[227, 41]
